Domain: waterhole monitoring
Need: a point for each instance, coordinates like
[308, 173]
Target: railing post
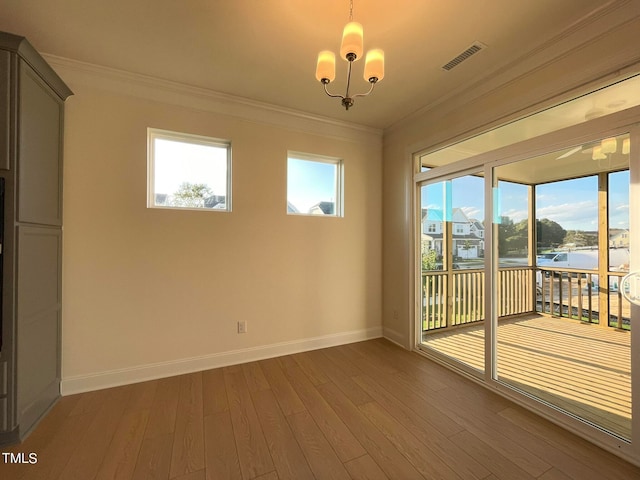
[603, 246]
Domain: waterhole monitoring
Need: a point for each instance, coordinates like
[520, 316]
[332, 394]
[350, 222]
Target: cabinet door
[39, 164]
[5, 114]
[38, 321]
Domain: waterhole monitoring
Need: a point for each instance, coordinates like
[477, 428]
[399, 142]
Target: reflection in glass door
[562, 243]
[452, 250]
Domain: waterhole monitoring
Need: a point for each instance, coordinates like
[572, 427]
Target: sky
[178, 162]
[571, 203]
[310, 182]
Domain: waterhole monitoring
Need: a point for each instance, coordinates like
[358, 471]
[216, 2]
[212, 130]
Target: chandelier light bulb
[374, 66]
[597, 154]
[609, 145]
[626, 144]
[326, 69]
[352, 41]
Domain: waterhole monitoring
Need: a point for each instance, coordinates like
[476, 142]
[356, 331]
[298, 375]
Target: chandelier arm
[364, 94]
[330, 94]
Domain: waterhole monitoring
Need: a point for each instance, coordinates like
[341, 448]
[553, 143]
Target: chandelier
[351, 50]
[608, 146]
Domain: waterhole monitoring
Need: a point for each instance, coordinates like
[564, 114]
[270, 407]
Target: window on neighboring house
[459, 229]
[188, 171]
[431, 228]
[314, 185]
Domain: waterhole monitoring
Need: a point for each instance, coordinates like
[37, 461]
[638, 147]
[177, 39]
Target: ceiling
[569, 162]
[266, 50]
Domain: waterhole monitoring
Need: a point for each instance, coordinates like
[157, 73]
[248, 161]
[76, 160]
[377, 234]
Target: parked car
[581, 260]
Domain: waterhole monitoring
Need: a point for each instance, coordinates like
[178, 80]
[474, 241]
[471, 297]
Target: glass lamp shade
[609, 145]
[326, 68]
[626, 146]
[374, 66]
[597, 154]
[352, 40]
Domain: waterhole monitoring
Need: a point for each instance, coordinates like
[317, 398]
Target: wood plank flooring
[368, 410]
[583, 368]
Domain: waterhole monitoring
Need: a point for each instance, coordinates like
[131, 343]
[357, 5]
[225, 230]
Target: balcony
[550, 341]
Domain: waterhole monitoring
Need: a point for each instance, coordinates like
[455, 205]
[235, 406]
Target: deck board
[582, 368]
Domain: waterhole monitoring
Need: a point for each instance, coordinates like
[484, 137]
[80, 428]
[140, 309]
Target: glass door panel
[451, 265]
[561, 222]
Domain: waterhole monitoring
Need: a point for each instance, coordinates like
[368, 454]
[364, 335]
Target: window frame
[191, 139]
[338, 207]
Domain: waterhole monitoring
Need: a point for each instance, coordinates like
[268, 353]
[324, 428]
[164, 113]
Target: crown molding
[79, 74]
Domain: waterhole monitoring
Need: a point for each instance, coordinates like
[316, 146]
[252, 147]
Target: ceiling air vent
[472, 50]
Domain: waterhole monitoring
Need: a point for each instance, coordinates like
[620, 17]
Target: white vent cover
[472, 50]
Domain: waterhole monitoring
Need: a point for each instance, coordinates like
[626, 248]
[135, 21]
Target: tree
[549, 233]
[429, 256]
[514, 237]
[576, 237]
[519, 241]
[506, 229]
[466, 247]
[191, 195]
[581, 238]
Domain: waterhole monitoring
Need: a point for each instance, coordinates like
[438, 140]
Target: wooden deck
[584, 369]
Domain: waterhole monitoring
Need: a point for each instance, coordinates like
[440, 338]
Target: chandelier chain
[351, 10]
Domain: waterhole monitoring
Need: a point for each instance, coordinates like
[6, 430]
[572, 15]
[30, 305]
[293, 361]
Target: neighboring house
[291, 208]
[215, 201]
[322, 208]
[477, 228]
[468, 234]
[619, 239]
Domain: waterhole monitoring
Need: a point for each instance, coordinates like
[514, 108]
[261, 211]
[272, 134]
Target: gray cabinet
[31, 121]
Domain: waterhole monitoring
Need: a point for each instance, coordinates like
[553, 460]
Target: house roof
[326, 207]
[291, 208]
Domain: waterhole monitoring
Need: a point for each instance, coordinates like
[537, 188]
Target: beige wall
[586, 57]
[147, 288]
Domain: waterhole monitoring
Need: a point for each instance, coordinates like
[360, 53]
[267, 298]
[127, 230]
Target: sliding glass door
[452, 252]
[562, 244]
[521, 254]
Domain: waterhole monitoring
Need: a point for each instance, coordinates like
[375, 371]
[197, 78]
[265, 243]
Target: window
[188, 171]
[562, 257]
[459, 229]
[314, 185]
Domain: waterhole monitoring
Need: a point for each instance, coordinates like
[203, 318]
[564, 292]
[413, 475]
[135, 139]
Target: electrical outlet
[395, 314]
[242, 326]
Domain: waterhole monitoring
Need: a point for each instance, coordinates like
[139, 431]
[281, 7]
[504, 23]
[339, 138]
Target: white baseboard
[395, 337]
[125, 376]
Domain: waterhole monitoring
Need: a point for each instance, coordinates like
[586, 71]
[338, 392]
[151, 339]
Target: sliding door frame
[626, 121]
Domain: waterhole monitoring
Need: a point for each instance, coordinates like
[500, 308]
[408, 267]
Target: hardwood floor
[368, 410]
[582, 368]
